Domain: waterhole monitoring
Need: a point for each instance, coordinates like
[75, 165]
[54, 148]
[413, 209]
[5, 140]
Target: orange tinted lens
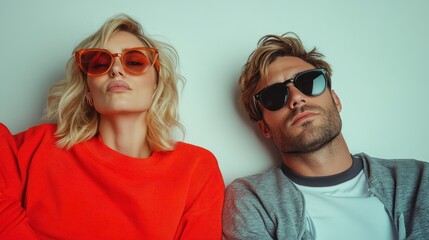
[136, 61]
[96, 62]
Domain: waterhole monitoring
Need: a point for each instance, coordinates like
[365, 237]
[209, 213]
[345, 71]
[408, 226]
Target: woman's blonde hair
[77, 121]
[269, 48]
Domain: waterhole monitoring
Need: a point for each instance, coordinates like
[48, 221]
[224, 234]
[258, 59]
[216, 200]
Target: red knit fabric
[93, 192]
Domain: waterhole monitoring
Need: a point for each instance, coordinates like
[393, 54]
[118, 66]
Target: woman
[109, 168]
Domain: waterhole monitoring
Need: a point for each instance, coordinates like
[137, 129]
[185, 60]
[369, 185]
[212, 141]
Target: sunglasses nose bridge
[116, 55]
[289, 83]
[295, 96]
[117, 66]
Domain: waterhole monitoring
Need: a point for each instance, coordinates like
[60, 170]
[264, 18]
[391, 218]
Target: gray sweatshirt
[269, 206]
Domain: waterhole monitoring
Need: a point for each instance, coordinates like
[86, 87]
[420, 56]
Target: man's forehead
[284, 68]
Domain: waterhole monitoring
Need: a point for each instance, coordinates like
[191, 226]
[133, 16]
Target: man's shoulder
[398, 163]
[257, 180]
[394, 171]
[264, 196]
[269, 184]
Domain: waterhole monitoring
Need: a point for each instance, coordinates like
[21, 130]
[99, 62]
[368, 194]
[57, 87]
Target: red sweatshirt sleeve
[202, 218]
[13, 218]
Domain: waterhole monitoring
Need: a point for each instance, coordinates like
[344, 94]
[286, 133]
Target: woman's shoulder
[36, 133]
[191, 149]
[6, 137]
[199, 160]
[34, 130]
[43, 127]
[4, 130]
[192, 154]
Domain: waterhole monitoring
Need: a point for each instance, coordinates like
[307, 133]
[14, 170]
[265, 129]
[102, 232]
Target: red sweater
[93, 192]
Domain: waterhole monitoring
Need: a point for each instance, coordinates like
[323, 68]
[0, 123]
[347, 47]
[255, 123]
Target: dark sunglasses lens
[96, 62]
[311, 83]
[136, 62]
[274, 96]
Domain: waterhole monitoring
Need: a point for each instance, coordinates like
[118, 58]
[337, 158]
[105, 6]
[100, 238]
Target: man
[320, 190]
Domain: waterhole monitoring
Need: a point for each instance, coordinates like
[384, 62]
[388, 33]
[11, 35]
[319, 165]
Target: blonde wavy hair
[77, 121]
[269, 48]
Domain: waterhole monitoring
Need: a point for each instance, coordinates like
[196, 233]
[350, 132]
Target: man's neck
[331, 159]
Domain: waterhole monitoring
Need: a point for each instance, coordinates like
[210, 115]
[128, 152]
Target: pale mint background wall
[378, 49]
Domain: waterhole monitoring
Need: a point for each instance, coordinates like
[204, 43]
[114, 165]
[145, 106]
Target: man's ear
[264, 129]
[336, 101]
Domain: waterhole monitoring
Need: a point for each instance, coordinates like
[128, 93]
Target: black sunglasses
[311, 82]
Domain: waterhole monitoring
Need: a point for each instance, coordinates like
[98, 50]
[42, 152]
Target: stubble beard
[311, 138]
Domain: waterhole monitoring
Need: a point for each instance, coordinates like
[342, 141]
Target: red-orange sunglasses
[97, 61]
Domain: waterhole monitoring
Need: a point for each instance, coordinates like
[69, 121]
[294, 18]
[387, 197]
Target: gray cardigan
[269, 206]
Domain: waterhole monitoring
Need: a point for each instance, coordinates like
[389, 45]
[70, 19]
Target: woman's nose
[117, 68]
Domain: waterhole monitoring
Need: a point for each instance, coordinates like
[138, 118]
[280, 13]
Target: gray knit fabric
[269, 206]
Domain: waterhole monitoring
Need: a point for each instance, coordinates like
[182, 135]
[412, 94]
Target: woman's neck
[126, 134]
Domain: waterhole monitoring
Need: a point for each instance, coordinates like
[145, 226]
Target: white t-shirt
[342, 207]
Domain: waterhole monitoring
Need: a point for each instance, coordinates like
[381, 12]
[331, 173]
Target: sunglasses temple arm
[157, 64]
[258, 110]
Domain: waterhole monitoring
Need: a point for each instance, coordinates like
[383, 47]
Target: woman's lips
[118, 86]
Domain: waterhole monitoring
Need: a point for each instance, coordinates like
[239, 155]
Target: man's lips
[302, 116]
[118, 86]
